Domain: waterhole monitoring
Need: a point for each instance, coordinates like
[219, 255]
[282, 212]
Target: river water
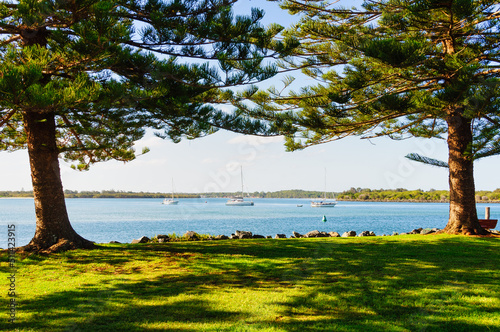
[103, 220]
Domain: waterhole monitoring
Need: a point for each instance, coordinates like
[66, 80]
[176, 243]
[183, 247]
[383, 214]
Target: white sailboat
[324, 202]
[238, 200]
[170, 201]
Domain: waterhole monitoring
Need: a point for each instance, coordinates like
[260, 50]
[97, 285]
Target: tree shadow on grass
[339, 285]
[124, 306]
[409, 286]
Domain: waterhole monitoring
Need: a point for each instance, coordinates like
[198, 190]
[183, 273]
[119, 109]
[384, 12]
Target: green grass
[403, 283]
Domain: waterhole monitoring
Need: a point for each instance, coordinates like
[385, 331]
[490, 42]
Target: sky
[212, 163]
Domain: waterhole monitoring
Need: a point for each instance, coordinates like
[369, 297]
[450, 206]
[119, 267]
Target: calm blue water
[104, 220]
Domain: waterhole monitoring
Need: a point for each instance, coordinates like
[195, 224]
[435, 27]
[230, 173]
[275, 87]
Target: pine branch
[10, 40]
[7, 117]
[400, 129]
[76, 136]
[426, 160]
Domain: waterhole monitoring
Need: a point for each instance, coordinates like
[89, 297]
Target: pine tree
[397, 68]
[84, 79]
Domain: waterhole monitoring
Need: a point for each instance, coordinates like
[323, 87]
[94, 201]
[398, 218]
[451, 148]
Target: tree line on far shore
[359, 194]
[99, 194]
[354, 194]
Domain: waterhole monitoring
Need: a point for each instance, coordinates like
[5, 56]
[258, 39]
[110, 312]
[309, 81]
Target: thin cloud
[209, 161]
[255, 140]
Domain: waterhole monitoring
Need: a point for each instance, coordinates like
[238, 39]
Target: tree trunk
[53, 229]
[463, 215]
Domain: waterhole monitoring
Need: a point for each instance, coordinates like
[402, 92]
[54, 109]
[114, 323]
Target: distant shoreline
[199, 197]
[351, 195]
[405, 201]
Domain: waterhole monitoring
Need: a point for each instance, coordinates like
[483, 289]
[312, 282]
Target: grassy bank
[405, 283]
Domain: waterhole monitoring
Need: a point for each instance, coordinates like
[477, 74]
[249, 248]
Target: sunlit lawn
[403, 283]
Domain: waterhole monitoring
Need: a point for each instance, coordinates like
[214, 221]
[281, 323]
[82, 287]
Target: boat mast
[324, 194]
[241, 176]
[172, 188]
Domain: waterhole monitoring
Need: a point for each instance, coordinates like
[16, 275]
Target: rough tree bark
[463, 215]
[53, 229]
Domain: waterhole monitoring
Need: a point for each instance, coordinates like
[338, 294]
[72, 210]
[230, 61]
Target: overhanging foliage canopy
[110, 69]
[392, 68]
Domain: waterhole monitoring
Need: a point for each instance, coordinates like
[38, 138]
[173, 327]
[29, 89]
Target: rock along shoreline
[193, 236]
